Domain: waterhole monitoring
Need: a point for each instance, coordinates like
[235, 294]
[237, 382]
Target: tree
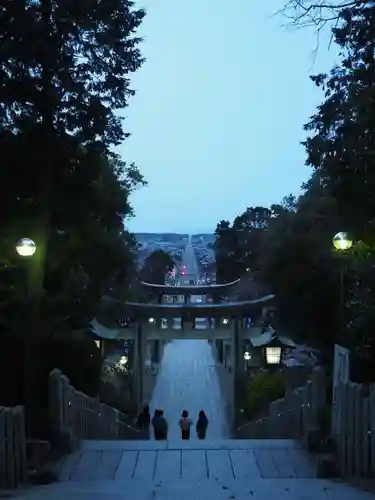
[320, 13]
[342, 131]
[290, 253]
[236, 245]
[340, 147]
[156, 266]
[299, 265]
[64, 72]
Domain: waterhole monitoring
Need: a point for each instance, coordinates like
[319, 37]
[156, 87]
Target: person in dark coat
[201, 425]
[163, 426]
[160, 426]
[143, 421]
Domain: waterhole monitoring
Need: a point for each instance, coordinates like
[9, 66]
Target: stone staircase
[193, 470]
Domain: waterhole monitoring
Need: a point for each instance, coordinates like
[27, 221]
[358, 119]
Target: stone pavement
[222, 460]
[188, 379]
[217, 470]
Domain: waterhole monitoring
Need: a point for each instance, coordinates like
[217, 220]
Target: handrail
[134, 429]
[119, 421]
[264, 419]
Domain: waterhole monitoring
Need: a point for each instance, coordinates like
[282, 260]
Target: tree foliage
[293, 251]
[320, 13]
[156, 266]
[64, 71]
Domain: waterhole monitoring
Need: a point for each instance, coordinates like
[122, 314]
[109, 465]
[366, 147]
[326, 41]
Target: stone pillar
[221, 352]
[139, 363]
[236, 362]
[219, 347]
[160, 300]
[155, 351]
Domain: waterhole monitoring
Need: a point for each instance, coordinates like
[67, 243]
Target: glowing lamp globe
[247, 356]
[123, 360]
[26, 247]
[342, 241]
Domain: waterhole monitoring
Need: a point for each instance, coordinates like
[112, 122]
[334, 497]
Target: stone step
[256, 489]
[153, 461]
[193, 444]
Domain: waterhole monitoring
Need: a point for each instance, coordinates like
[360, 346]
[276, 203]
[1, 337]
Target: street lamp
[342, 241]
[151, 320]
[26, 247]
[123, 360]
[225, 321]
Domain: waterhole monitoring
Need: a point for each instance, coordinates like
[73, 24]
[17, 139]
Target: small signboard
[340, 374]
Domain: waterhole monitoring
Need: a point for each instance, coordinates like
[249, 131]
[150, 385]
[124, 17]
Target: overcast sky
[217, 119]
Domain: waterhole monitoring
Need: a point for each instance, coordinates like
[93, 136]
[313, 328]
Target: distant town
[174, 244]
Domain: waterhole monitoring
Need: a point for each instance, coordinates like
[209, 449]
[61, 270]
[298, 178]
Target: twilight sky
[217, 118]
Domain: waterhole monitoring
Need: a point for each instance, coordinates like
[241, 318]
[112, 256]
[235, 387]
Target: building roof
[189, 289]
[270, 338]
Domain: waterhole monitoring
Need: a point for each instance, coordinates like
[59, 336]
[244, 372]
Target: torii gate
[144, 324]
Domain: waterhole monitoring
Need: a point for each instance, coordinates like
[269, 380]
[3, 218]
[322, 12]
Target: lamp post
[26, 248]
[342, 242]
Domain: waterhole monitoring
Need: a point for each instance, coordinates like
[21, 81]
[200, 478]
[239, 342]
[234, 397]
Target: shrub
[264, 388]
[79, 360]
[120, 399]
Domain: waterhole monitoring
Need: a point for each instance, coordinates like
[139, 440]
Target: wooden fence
[356, 436]
[293, 416]
[13, 468]
[74, 413]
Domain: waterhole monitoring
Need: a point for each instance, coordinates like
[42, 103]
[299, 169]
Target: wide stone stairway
[192, 470]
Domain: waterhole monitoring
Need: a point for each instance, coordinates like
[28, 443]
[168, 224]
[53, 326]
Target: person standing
[143, 421]
[160, 426]
[163, 426]
[185, 425]
[201, 425]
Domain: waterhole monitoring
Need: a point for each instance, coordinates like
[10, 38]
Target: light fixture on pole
[225, 321]
[342, 242]
[247, 356]
[151, 320]
[123, 360]
[26, 247]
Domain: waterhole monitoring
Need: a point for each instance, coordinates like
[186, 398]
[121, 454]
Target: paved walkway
[199, 470]
[221, 460]
[188, 380]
